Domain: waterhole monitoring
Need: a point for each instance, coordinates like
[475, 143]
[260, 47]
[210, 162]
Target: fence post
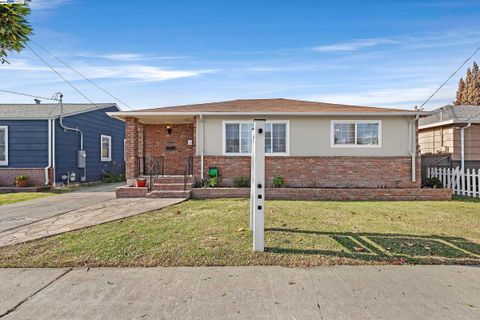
[475, 192]
[468, 181]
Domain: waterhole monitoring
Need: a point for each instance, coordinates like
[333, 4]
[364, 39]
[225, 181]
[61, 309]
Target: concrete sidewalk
[391, 292]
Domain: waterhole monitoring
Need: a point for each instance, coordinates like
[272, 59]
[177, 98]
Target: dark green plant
[433, 183]
[241, 182]
[21, 178]
[113, 174]
[14, 28]
[278, 182]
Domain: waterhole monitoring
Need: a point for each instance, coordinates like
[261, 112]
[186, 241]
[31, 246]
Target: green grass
[298, 233]
[8, 198]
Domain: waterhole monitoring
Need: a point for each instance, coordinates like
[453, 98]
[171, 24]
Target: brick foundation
[130, 192]
[311, 194]
[320, 172]
[36, 176]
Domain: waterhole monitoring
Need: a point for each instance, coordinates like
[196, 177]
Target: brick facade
[320, 172]
[131, 147]
[173, 147]
[36, 176]
[310, 194]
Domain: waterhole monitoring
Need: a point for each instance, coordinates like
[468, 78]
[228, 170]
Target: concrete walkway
[25, 212]
[87, 216]
[393, 292]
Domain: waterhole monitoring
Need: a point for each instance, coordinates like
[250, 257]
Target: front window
[356, 133]
[3, 146]
[238, 137]
[106, 148]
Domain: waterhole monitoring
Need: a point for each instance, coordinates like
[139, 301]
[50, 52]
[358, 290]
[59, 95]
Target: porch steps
[169, 194]
[171, 186]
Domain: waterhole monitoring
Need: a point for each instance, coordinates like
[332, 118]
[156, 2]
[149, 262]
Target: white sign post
[257, 188]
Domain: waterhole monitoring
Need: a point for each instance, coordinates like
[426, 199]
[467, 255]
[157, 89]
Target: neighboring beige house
[310, 144]
[440, 137]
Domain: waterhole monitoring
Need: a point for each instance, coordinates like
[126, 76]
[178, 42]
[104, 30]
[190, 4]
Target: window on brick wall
[356, 133]
[3, 146]
[238, 137]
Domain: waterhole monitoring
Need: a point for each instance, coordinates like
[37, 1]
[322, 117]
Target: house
[49, 145]
[310, 144]
[450, 136]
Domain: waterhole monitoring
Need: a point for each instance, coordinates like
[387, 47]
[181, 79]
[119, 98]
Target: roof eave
[123, 115]
[445, 123]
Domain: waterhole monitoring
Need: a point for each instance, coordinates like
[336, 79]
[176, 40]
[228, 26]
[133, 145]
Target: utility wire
[81, 75]
[62, 77]
[28, 95]
[451, 76]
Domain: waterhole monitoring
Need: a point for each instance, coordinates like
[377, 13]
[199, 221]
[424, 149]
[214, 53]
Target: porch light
[169, 129]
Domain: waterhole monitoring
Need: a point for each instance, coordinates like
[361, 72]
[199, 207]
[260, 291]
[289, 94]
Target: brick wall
[36, 176]
[157, 140]
[320, 172]
[131, 147]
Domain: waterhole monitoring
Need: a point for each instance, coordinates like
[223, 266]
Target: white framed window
[3, 146]
[356, 133]
[237, 137]
[105, 148]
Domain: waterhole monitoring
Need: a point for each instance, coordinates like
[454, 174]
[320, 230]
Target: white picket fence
[463, 183]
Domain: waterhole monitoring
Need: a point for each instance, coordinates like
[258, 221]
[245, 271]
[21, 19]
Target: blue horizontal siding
[93, 124]
[27, 143]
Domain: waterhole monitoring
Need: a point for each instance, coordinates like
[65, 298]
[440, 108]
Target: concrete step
[173, 179]
[169, 194]
[171, 186]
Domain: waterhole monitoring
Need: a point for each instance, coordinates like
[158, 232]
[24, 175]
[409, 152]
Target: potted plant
[141, 183]
[21, 181]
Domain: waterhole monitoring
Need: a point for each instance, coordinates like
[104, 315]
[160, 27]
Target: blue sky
[159, 53]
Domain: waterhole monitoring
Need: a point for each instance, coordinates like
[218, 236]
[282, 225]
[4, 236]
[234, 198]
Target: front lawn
[8, 198]
[299, 233]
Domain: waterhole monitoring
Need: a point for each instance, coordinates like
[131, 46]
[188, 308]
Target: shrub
[278, 182]
[21, 178]
[211, 182]
[433, 183]
[113, 174]
[241, 182]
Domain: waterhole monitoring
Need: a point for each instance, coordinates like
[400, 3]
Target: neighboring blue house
[33, 142]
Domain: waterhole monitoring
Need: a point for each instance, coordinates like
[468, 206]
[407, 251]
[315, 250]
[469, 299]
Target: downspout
[462, 144]
[202, 131]
[84, 178]
[53, 151]
[413, 146]
[47, 178]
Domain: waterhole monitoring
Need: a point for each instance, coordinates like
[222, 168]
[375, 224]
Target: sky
[160, 53]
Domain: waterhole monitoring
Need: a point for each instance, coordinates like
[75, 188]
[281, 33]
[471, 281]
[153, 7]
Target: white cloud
[46, 4]
[401, 97]
[353, 45]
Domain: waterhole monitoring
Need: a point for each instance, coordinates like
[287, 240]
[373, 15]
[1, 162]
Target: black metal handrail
[151, 167]
[188, 171]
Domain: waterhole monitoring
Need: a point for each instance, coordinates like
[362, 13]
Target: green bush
[241, 182]
[212, 182]
[278, 182]
[21, 178]
[433, 183]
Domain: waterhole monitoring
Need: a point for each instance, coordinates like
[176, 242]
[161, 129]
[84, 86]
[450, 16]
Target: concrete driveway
[343, 293]
[26, 212]
[30, 220]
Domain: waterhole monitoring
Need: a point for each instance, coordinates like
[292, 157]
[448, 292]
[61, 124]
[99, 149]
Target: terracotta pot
[141, 183]
[22, 183]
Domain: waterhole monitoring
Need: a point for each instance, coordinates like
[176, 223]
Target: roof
[264, 106]
[451, 114]
[46, 111]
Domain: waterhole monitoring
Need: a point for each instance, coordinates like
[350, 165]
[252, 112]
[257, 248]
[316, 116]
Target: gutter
[47, 178]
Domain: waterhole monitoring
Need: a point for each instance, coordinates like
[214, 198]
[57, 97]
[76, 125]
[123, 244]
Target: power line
[451, 76]
[28, 95]
[62, 77]
[81, 75]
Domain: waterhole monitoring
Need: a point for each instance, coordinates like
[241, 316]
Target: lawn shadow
[386, 247]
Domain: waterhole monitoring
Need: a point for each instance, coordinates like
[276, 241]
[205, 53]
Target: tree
[14, 28]
[460, 92]
[468, 92]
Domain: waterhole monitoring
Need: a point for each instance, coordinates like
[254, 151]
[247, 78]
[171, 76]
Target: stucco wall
[310, 136]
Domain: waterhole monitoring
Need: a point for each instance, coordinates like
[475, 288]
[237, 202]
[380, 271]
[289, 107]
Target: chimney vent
[37, 101]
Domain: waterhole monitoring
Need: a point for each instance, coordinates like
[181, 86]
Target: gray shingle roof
[44, 111]
[457, 114]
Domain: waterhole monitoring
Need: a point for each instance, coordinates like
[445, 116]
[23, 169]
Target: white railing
[462, 183]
